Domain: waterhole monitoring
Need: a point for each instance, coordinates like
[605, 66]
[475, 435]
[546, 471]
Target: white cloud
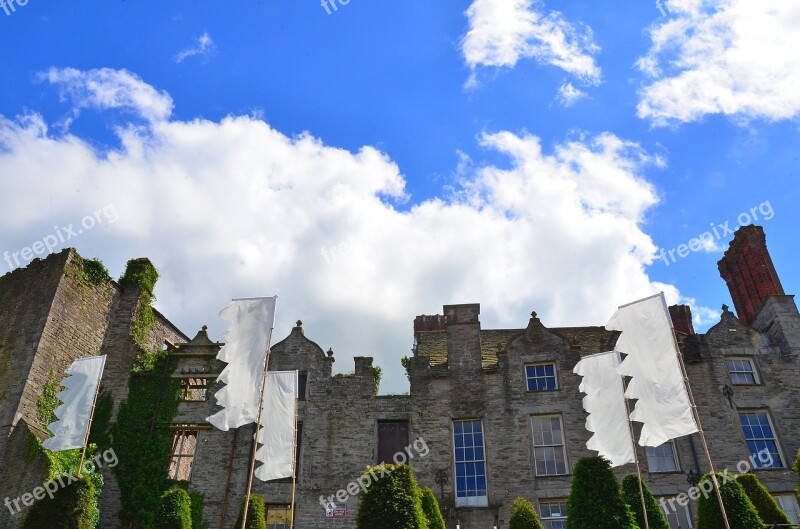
[204, 47]
[568, 95]
[738, 58]
[236, 208]
[502, 32]
[106, 88]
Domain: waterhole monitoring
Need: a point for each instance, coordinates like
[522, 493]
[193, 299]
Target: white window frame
[774, 436]
[528, 379]
[674, 458]
[563, 444]
[788, 504]
[673, 516]
[753, 370]
[470, 501]
[545, 520]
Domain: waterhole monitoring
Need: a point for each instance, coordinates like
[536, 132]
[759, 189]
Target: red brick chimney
[682, 318]
[436, 323]
[748, 270]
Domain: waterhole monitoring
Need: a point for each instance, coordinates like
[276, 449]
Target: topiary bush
[174, 510]
[523, 515]
[740, 510]
[392, 500]
[256, 514]
[430, 508]
[797, 469]
[766, 506]
[595, 500]
[72, 507]
[630, 491]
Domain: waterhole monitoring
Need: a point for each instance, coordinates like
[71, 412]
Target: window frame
[753, 370]
[545, 520]
[555, 378]
[187, 386]
[469, 501]
[674, 458]
[283, 507]
[794, 515]
[673, 515]
[177, 455]
[754, 456]
[568, 470]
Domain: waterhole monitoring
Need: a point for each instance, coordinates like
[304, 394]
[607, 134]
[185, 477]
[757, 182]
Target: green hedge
[256, 514]
[630, 491]
[430, 507]
[72, 507]
[523, 515]
[174, 510]
[392, 500]
[740, 510]
[595, 500]
[762, 500]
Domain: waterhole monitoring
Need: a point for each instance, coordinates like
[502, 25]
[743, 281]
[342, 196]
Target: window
[677, 516]
[278, 516]
[553, 514]
[788, 504]
[193, 390]
[470, 464]
[742, 371]
[302, 384]
[662, 458]
[761, 441]
[392, 439]
[541, 377]
[184, 445]
[549, 454]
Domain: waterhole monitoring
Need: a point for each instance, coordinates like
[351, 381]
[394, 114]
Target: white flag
[277, 435]
[657, 379]
[69, 431]
[605, 404]
[246, 342]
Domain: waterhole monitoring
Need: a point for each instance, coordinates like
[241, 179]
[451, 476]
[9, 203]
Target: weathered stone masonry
[459, 371]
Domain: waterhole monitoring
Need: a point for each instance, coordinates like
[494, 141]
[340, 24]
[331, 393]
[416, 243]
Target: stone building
[491, 415]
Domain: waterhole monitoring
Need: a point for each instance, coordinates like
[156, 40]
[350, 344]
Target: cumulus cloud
[204, 47]
[568, 95]
[235, 208]
[106, 88]
[502, 32]
[737, 58]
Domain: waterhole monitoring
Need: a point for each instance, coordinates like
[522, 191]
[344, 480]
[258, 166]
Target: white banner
[277, 435]
[657, 382]
[605, 404]
[246, 342]
[69, 431]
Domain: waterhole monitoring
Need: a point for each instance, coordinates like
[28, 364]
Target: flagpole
[294, 461]
[258, 426]
[696, 414]
[635, 454]
[91, 418]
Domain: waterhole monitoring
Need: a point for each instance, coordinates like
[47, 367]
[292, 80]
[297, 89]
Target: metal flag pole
[635, 454]
[294, 461]
[258, 427]
[91, 418]
[696, 414]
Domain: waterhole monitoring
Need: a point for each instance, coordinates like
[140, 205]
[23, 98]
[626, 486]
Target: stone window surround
[753, 369]
[563, 445]
[776, 435]
[674, 457]
[541, 363]
[483, 501]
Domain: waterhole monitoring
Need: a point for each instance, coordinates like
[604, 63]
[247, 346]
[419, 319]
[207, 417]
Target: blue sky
[380, 161]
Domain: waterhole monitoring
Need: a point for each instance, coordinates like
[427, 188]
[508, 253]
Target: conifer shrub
[392, 500]
[766, 506]
[174, 510]
[256, 514]
[523, 515]
[430, 507]
[655, 515]
[740, 510]
[595, 500]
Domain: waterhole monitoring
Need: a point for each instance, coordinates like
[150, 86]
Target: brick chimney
[682, 318]
[748, 270]
[436, 323]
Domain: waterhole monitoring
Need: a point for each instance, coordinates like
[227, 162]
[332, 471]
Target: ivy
[141, 274]
[378, 375]
[198, 503]
[407, 365]
[89, 272]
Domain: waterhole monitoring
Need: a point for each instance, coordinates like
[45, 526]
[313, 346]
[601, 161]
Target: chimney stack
[748, 270]
[682, 318]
